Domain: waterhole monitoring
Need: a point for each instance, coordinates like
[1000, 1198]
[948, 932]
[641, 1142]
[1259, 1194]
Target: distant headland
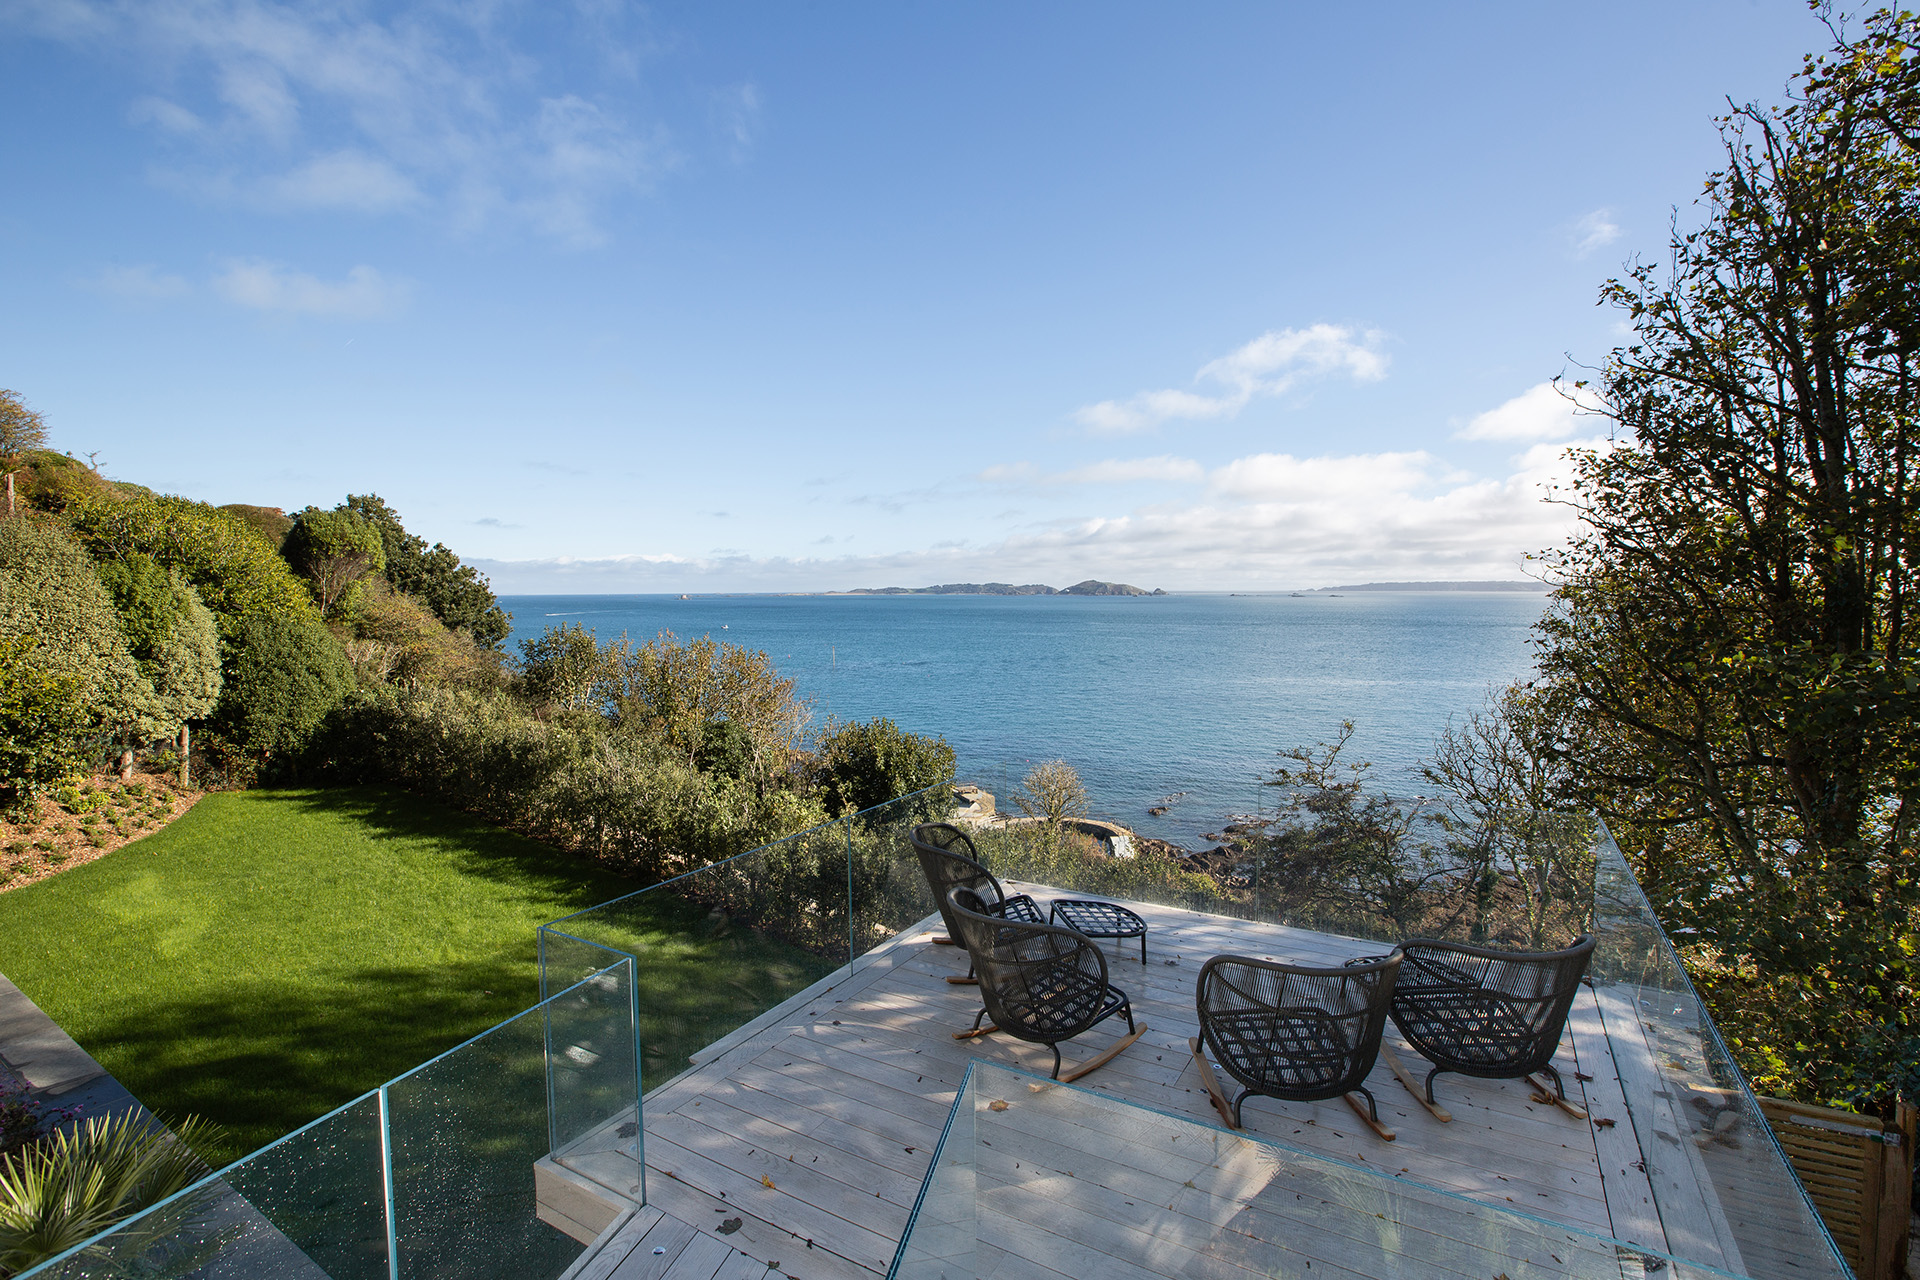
[1436, 586]
[1090, 587]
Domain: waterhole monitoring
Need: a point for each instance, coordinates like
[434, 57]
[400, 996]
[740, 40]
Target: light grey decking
[814, 1131]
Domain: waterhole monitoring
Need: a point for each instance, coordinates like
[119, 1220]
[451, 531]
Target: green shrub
[51, 596]
[282, 675]
[863, 765]
[271, 521]
[560, 667]
[236, 569]
[173, 638]
[42, 725]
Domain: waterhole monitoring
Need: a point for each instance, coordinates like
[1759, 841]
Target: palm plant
[76, 1183]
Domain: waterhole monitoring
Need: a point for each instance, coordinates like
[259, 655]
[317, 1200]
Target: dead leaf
[998, 1104]
[730, 1226]
[766, 1182]
[1603, 1124]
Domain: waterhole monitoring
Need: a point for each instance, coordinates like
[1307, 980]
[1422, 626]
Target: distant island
[1090, 587]
[1437, 586]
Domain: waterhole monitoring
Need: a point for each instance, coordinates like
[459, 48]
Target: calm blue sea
[1150, 698]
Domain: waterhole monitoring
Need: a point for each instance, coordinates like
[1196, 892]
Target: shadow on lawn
[476, 847]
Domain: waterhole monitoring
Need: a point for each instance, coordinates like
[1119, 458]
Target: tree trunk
[186, 745]
[9, 493]
[124, 765]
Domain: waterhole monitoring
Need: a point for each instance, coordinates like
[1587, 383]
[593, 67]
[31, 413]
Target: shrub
[673, 690]
[51, 596]
[561, 667]
[282, 676]
[271, 521]
[863, 765]
[235, 568]
[1053, 792]
[172, 637]
[396, 638]
[42, 725]
[53, 482]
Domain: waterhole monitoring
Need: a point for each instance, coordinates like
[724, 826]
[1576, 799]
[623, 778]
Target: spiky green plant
[76, 1183]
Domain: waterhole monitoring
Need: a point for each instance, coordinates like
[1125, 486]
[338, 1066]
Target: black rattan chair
[1039, 982]
[950, 861]
[1481, 1011]
[1293, 1031]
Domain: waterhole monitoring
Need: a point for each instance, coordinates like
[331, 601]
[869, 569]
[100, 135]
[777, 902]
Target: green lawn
[274, 953]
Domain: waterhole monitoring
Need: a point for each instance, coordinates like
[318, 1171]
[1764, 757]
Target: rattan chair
[1039, 982]
[1484, 1012]
[1295, 1032]
[948, 858]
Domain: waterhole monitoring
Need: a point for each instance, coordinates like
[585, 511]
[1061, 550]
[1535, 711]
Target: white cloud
[1546, 411]
[343, 180]
[1593, 230]
[1264, 521]
[1267, 366]
[365, 294]
[141, 283]
[440, 109]
[1109, 471]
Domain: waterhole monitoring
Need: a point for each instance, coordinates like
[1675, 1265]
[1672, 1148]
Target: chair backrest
[1039, 982]
[1352, 1000]
[948, 859]
[1538, 986]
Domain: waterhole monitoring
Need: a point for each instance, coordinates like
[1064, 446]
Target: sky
[774, 297]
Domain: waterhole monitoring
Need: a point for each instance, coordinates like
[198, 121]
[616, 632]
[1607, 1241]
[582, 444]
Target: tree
[21, 430]
[235, 568]
[457, 593]
[1729, 655]
[43, 725]
[673, 689]
[1052, 792]
[864, 765]
[176, 643]
[51, 599]
[335, 550]
[281, 676]
[560, 668]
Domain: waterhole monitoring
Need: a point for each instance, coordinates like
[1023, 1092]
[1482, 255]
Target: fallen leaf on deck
[766, 1182]
[998, 1104]
[730, 1226]
[1603, 1124]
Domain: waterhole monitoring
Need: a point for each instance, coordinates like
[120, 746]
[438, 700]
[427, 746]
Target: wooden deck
[799, 1146]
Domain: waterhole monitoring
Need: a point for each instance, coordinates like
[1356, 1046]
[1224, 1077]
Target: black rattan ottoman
[1100, 920]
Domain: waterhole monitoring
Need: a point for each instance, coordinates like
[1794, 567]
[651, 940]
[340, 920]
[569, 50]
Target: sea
[1179, 701]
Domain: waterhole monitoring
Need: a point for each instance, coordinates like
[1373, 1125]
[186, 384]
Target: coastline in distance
[1091, 587]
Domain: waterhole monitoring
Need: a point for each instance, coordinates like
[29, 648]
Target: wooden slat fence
[1859, 1172]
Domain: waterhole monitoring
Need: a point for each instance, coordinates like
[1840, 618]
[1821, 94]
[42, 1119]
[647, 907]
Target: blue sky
[808, 297]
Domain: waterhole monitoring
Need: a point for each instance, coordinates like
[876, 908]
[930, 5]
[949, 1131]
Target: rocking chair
[1296, 1032]
[1040, 982]
[1480, 1011]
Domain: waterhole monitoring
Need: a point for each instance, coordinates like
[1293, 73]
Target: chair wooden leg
[1112, 1052]
[1405, 1077]
[1548, 1093]
[1367, 1116]
[987, 1030]
[964, 982]
[941, 940]
[1212, 1085]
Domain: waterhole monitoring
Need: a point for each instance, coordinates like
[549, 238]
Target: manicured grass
[274, 953]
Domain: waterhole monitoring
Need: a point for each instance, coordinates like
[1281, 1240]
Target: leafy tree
[234, 567]
[863, 765]
[1345, 856]
[175, 641]
[43, 724]
[335, 550]
[398, 639]
[561, 667]
[674, 689]
[53, 482]
[271, 521]
[1730, 656]
[457, 593]
[51, 598]
[21, 430]
[281, 676]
